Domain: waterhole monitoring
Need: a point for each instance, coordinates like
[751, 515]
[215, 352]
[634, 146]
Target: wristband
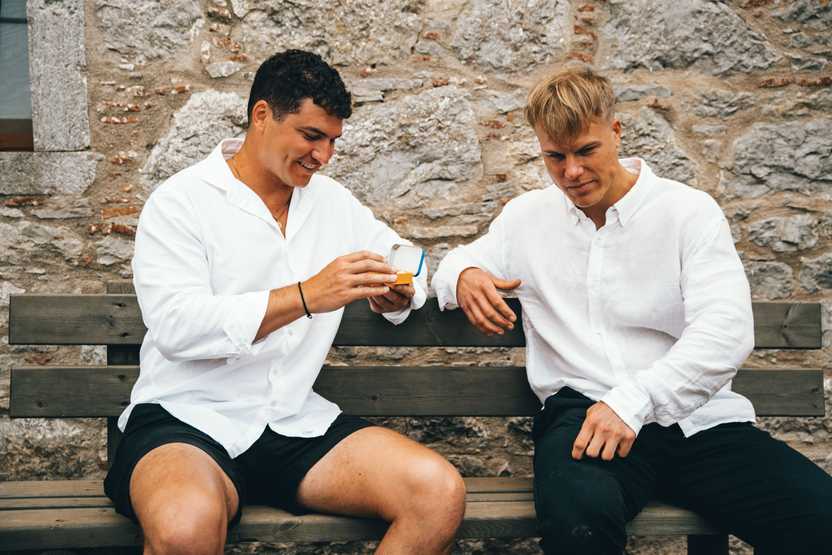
[305, 309]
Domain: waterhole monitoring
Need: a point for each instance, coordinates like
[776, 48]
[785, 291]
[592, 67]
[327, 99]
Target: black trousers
[736, 476]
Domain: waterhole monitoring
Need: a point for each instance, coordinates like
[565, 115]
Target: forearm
[285, 306]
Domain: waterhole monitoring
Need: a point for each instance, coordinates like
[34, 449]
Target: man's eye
[309, 137]
[555, 155]
[587, 151]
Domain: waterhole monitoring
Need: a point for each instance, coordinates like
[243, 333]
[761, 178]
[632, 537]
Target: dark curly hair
[288, 77]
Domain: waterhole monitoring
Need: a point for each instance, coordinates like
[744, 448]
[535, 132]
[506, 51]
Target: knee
[582, 516]
[435, 490]
[190, 525]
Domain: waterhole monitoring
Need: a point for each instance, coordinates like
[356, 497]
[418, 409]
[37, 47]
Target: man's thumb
[506, 283]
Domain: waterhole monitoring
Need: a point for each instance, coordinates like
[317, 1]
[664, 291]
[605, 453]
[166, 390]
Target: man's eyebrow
[316, 131]
[593, 144]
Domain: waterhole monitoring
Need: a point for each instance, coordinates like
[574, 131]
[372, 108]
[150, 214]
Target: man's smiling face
[299, 144]
[586, 167]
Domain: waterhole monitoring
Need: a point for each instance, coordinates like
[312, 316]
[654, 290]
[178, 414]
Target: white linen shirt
[207, 253]
[650, 314]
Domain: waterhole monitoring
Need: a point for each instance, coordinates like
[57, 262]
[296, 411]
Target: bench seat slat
[116, 320]
[43, 489]
[386, 391]
[70, 522]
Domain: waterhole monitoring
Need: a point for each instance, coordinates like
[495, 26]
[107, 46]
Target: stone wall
[732, 97]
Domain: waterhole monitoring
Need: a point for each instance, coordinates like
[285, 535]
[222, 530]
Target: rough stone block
[147, 29]
[400, 155]
[197, 127]
[648, 135]
[361, 32]
[628, 93]
[57, 67]
[668, 34]
[794, 156]
[785, 233]
[34, 173]
[511, 36]
[770, 280]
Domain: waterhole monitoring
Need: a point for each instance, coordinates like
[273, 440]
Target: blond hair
[565, 103]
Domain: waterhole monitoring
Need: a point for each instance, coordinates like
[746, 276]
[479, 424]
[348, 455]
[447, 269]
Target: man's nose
[573, 169]
[323, 152]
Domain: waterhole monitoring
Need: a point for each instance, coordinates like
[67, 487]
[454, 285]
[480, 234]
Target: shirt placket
[278, 373]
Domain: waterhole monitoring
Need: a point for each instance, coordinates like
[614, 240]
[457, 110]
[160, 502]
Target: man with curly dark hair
[243, 264]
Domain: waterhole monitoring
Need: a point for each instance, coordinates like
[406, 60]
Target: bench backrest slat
[386, 391]
[116, 320]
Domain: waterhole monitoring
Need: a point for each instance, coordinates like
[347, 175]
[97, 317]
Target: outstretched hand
[477, 296]
[359, 275]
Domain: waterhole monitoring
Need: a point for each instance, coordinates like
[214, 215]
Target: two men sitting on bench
[636, 313]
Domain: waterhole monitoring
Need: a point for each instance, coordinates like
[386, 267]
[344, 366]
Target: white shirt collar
[628, 205]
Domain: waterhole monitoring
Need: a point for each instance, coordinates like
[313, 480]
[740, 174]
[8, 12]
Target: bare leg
[183, 501]
[378, 472]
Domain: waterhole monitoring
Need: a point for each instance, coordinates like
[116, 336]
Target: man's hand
[604, 434]
[396, 299]
[477, 296]
[359, 275]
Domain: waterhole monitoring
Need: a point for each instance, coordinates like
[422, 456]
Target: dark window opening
[15, 88]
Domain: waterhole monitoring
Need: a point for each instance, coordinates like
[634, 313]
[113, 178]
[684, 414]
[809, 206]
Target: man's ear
[616, 129]
[260, 112]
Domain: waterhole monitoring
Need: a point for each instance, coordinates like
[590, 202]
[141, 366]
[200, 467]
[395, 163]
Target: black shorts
[268, 473]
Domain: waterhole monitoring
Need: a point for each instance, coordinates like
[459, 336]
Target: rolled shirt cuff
[446, 279]
[246, 316]
[630, 403]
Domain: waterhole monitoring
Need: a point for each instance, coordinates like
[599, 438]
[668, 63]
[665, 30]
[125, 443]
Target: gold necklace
[275, 214]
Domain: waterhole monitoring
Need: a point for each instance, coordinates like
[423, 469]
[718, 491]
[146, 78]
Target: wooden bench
[64, 514]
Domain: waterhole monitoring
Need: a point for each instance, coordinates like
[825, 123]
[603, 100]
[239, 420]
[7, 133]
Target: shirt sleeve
[486, 253]
[172, 280]
[374, 235]
[717, 337]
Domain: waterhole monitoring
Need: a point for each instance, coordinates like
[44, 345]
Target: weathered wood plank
[39, 489]
[100, 527]
[115, 320]
[73, 502]
[787, 325]
[51, 488]
[386, 391]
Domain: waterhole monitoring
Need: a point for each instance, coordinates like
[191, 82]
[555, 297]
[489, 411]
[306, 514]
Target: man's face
[293, 148]
[585, 168]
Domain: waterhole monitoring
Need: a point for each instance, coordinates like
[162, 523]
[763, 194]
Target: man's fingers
[374, 306]
[367, 265]
[610, 448]
[366, 292]
[492, 315]
[360, 255]
[595, 445]
[506, 284]
[405, 290]
[372, 278]
[624, 447]
[498, 303]
[476, 317]
[582, 441]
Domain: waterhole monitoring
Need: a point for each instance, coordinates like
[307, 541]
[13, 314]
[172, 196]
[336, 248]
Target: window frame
[17, 135]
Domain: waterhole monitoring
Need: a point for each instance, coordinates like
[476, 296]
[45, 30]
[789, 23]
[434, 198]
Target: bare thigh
[179, 479]
[373, 472]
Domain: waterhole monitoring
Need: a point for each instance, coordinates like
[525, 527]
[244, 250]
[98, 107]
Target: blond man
[637, 313]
